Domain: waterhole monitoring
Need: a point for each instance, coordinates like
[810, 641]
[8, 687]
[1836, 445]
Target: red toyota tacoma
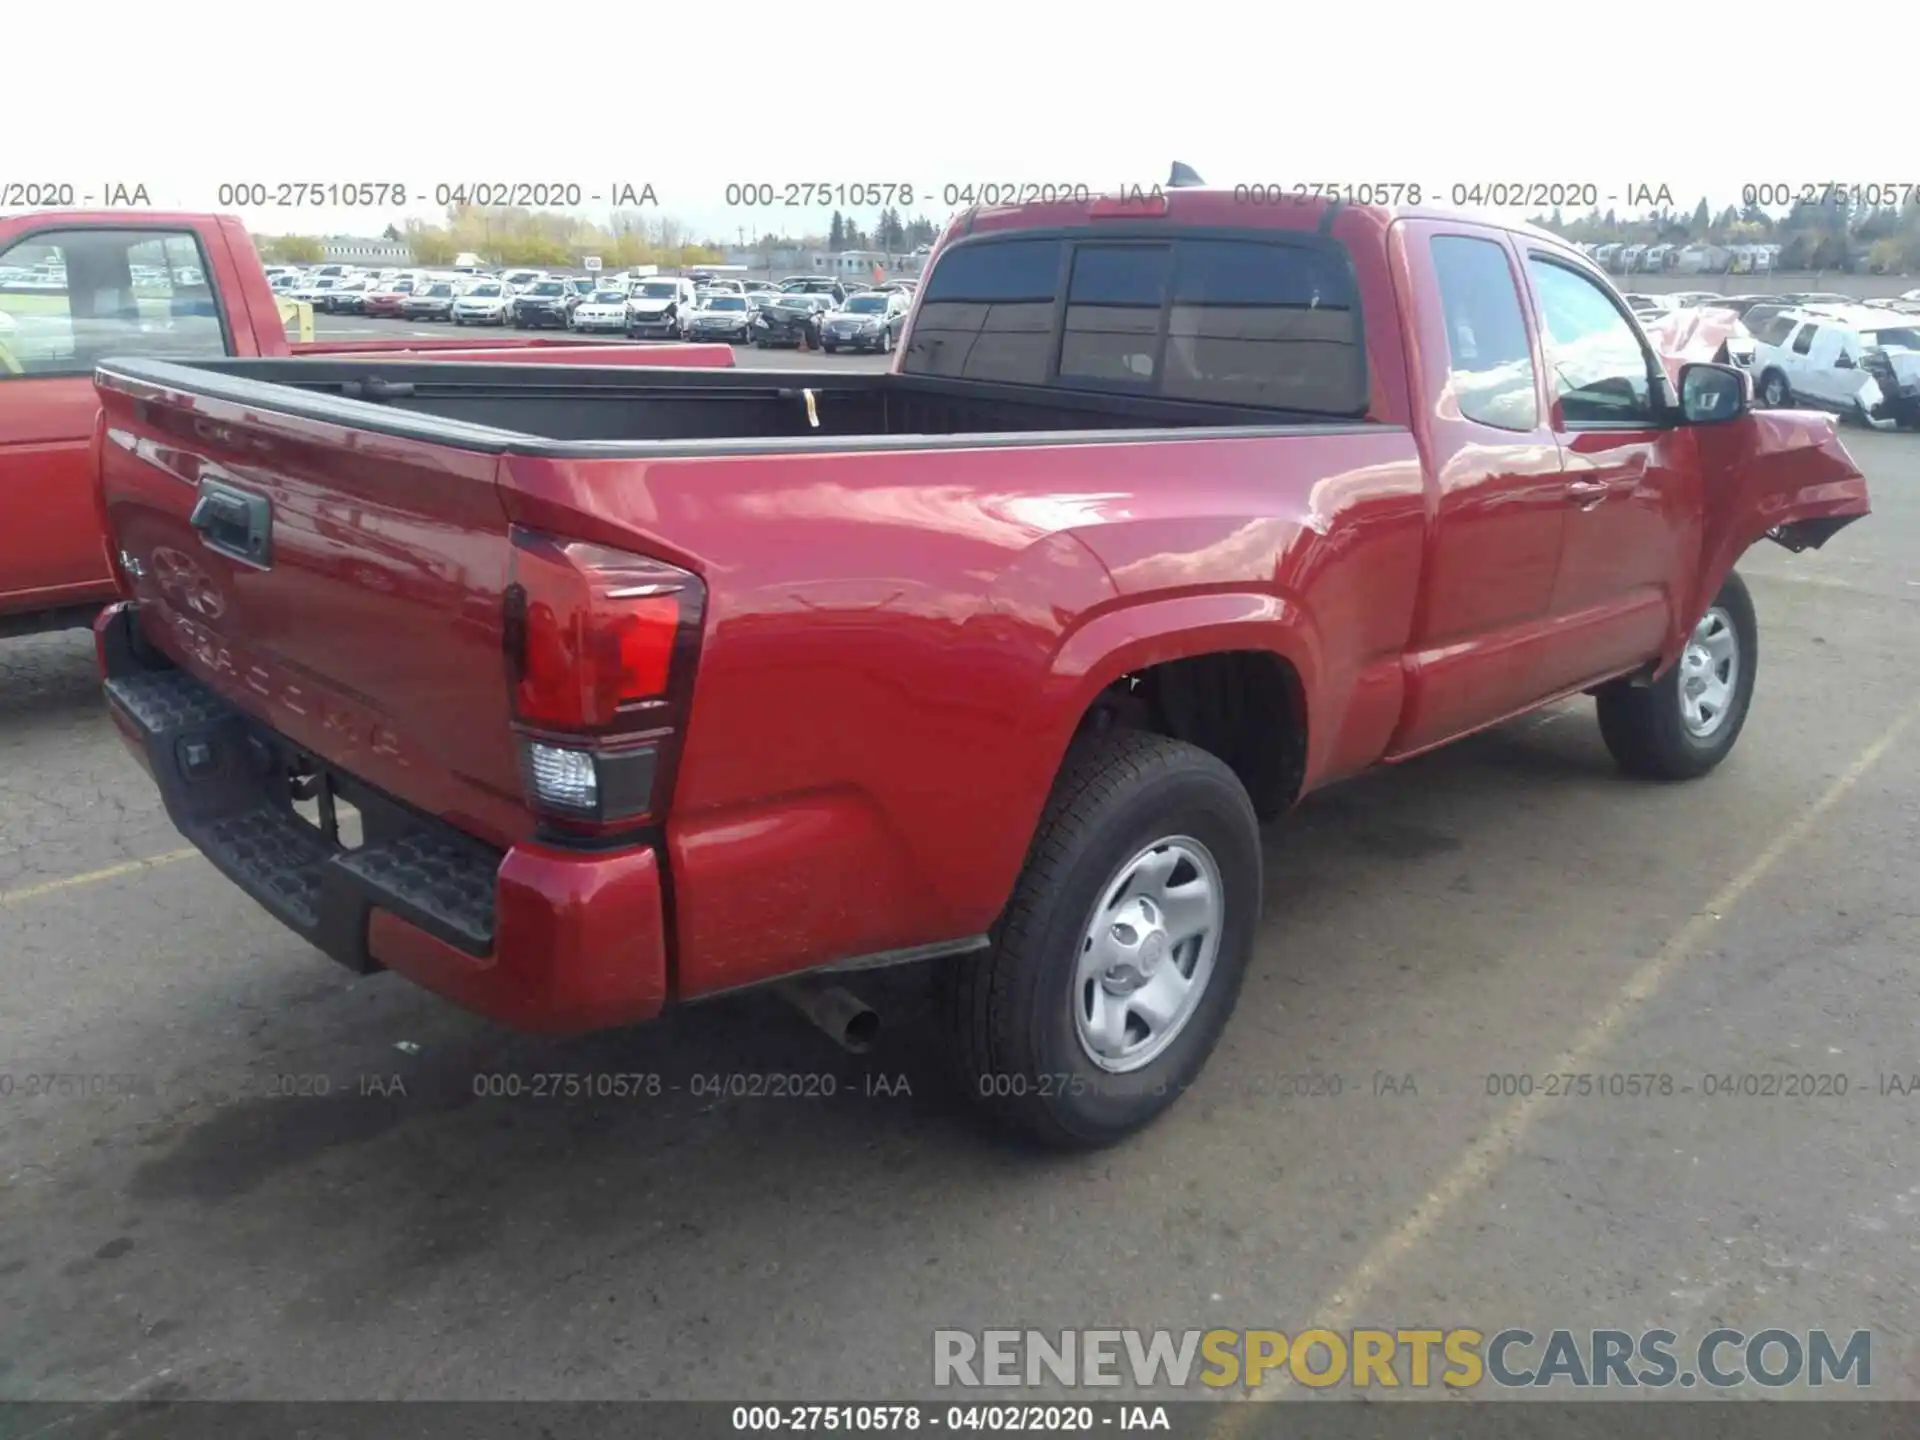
[76, 285]
[573, 698]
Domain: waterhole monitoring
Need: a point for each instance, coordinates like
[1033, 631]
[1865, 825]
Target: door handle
[1588, 493]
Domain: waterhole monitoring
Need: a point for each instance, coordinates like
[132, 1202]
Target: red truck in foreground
[571, 695]
[77, 285]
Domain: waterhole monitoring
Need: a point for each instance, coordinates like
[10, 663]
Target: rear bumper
[536, 937]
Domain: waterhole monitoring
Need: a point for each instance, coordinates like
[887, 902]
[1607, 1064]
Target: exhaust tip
[852, 1024]
[862, 1030]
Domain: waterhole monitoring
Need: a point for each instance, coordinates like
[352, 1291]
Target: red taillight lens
[592, 633]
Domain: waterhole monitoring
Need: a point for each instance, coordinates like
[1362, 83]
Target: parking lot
[294, 1183]
[747, 357]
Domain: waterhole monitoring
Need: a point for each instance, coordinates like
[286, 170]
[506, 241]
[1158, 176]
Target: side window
[1803, 342]
[1492, 376]
[1266, 324]
[70, 298]
[1114, 300]
[1599, 369]
[988, 312]
[1776, 330]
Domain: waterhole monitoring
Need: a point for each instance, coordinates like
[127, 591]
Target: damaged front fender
[1779, 475]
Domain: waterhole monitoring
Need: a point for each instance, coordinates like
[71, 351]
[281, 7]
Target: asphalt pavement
[293, 1183]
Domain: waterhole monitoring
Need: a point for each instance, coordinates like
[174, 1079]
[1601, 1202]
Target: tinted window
[1599, 368]
[1803, 342]
[988, 312]
[1265, 324]
[76, 297]
[1905, 338]
[1775, 329]
[1114, 300]
[1491, 376]
[1244, 322]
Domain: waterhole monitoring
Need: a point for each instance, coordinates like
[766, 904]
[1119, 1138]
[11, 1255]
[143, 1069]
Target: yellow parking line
[30, 892]
[1477, 1165]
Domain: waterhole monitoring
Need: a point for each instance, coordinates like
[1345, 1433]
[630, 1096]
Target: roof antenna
[1184, 175]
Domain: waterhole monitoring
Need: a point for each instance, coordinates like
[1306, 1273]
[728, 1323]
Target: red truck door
[72, 294]
[1494, 548]
[1632, 490]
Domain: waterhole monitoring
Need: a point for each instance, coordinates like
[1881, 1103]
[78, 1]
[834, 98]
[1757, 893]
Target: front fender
[1779, 475]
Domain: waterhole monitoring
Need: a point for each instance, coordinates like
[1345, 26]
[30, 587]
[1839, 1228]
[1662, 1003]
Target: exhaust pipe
[845, 1017]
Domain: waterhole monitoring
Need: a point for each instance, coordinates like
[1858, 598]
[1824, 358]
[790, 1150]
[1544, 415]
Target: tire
[1011, 1013]
[1646, 727]
[886, 342]
[831, 349]
[1775, 393]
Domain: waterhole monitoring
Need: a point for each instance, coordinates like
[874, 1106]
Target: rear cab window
[70, 298]
[1268, 320]
[1491, 376]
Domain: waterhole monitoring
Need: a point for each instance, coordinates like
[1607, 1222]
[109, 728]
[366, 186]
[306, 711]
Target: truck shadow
[507, 1164]
[47, 680]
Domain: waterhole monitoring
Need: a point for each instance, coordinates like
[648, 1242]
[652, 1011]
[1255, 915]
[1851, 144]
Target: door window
[71, 298]
[1491, 375]
[1601, 372]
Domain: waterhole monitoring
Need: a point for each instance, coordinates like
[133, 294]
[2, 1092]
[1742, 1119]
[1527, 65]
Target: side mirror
[1710, 394]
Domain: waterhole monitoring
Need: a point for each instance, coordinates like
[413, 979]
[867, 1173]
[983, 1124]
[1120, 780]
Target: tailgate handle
[234, 522]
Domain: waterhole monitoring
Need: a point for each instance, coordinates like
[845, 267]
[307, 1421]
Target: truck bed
[591, 410]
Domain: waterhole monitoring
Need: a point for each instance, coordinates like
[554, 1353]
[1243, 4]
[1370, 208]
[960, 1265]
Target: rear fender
[1776, 475]
[1135, 637]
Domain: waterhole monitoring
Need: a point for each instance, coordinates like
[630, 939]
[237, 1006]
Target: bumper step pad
[224, 778]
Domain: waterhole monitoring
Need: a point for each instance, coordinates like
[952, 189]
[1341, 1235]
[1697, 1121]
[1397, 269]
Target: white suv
[1861, 361]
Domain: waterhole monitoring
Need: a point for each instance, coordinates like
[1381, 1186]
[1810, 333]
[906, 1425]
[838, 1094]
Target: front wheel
[1775, 393]
[1686, 722]
[1117, 961]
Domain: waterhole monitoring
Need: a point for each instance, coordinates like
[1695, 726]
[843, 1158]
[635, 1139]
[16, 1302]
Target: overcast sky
[927, 95]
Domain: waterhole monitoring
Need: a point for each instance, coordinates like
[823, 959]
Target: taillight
[600, 646]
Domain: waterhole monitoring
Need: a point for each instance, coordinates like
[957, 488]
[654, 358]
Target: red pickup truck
[573, 700]
[76, 286]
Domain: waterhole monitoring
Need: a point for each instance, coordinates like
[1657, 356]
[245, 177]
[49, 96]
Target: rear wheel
[1686, 722]
[1115, 966]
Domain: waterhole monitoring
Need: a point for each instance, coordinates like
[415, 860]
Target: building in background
[356, 250]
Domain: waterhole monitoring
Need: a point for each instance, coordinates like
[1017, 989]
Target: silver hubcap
[1709, 673]
[1147, 953]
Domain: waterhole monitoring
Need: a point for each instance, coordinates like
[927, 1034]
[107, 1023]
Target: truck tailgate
[340, 585]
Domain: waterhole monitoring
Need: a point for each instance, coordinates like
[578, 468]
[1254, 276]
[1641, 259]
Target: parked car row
[819, 312]
[1859, 359]
[1623, 259]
